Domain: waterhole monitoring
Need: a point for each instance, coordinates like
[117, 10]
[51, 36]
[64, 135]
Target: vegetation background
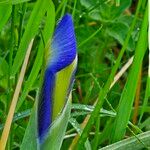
[109, 34]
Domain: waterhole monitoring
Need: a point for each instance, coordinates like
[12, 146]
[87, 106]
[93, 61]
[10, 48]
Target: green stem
[90, 37]
[96, 137]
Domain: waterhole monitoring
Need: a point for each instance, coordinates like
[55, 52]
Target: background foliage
[102, 29]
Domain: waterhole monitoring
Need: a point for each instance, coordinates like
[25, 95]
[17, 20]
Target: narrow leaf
[131, 143]
[5, 12]
[128, 94]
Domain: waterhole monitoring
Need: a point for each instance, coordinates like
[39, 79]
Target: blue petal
[63, 44]
[45, 104]
[63, 52]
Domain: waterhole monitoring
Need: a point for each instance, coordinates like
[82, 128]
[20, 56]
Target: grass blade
[131, 143]
[13, 1]
[9, 119]
[128, 94]
[147, 92]
[33, 24]
[5, 12]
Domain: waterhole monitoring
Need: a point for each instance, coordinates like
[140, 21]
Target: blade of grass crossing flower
[105, 90]
[47, 34]
[11, 112]
[128, 94]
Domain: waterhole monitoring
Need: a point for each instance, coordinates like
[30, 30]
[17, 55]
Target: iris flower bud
[58, 77]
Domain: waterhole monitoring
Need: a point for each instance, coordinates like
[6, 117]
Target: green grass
[108, 34]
